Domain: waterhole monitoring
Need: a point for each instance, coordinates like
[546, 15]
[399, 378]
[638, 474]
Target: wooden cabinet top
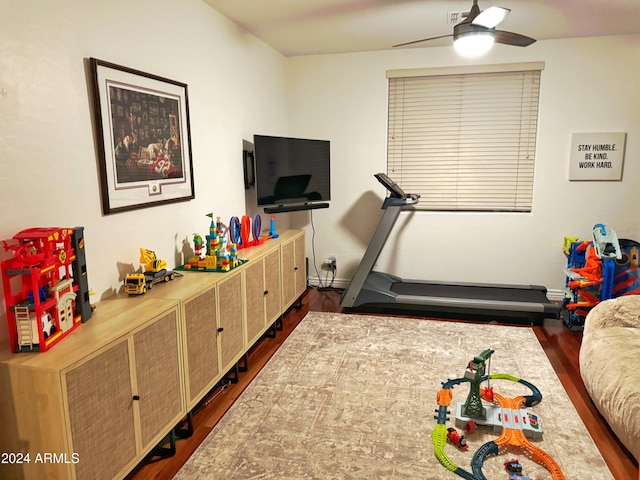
[119, 315]
[110, 320]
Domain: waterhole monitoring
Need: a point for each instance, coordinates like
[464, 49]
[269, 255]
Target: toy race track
[504, 414]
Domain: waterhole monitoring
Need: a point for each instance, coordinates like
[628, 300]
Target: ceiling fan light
[473, 45]
[491, 17]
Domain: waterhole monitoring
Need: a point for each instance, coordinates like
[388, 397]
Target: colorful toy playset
[218, 255]
[597, 270]
[219, 252]
[626, 274]
[484, 406]
[45, 286]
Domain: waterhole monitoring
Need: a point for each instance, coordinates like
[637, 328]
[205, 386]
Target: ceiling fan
[478, 31]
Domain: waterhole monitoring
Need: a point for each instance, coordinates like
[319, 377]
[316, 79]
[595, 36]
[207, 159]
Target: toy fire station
[45, 286]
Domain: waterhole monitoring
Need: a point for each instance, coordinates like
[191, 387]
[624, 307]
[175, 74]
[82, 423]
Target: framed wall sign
[597, 156]
[143, 137]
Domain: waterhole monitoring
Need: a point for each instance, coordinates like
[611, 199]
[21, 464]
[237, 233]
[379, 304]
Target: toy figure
[458, 440]
[198, 242]
[513, 466]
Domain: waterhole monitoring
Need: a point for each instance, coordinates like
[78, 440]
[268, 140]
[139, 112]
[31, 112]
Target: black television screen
[291, 170]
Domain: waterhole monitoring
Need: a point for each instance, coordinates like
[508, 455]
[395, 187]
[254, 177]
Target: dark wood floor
[561, 345]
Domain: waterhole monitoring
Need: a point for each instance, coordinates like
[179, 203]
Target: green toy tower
[473, 407]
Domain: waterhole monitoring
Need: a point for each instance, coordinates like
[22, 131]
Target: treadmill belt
[470, 292]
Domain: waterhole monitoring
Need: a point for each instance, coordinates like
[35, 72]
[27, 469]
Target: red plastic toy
[458, 440]
[41, 286]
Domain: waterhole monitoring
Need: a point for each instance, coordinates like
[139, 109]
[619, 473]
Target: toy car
[458, 440]
[513, 466]
[155, 271]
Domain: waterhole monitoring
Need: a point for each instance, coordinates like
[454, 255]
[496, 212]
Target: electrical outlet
[333, 260]
[326, 266]
[329, 264]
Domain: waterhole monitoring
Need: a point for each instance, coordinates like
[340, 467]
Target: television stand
[295, 207]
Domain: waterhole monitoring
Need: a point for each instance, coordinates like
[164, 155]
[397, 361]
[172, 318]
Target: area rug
[354, 397]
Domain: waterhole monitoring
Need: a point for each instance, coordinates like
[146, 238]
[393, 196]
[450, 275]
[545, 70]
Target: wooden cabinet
[294, 270]
[127, 411]
[262, 294]
[202, 365]
[213, 332]
[273, 286]
[230, 325]
[100, 400]
[158, 366]
[111, 391]
[255, 292]
[101, 413]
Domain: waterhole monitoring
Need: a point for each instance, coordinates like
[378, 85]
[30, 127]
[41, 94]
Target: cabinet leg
[243, 363]
[161, 451]
[185, 428]
[275, 327]
[232, 375]
[271, 331]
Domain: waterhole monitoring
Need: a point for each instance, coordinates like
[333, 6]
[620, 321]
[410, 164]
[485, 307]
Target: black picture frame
[143, 138]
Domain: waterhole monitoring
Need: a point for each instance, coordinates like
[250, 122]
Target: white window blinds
[465, 140]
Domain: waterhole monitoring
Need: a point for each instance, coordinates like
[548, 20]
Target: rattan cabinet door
[201, 345]
[158, 382]
[255, 300]
[300, 267]
[100, 403]
[230, 329]
[288, 275]
[294, 272]
[272, 280]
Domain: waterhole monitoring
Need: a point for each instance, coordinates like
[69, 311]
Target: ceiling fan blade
[515, 39]
[491, 17]
[422, 40]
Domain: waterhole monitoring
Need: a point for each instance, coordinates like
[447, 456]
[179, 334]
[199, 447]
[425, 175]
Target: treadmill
[377, 290]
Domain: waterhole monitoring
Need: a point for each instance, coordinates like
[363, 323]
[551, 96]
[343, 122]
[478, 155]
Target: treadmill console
[394, 189]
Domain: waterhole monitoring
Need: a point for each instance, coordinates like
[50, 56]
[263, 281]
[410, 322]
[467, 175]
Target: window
[465, 138]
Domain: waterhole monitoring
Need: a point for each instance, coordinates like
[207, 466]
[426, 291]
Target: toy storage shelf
[80, 397]
[114, 388]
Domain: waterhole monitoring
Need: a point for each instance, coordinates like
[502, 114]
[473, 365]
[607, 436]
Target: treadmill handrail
[410, 199]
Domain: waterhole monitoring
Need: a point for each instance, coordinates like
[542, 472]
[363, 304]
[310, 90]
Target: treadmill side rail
[472, 304]
[378, 240]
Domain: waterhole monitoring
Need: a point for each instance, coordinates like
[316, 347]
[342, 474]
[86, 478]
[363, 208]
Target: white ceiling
[303, 27]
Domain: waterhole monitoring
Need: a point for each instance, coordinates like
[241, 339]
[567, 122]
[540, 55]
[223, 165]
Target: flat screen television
[292, 171]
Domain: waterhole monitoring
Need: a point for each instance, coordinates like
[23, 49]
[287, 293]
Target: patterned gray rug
[354, 397]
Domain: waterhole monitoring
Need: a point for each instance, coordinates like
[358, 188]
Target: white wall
[588, 85]
[48, 169]
[238, 86]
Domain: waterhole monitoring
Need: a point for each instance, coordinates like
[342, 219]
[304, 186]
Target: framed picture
[143, 138]
[597, 156]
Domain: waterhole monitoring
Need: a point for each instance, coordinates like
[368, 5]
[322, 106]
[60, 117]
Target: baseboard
[327, 282]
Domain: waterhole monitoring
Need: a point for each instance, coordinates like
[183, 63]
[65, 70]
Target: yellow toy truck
[155, 271]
